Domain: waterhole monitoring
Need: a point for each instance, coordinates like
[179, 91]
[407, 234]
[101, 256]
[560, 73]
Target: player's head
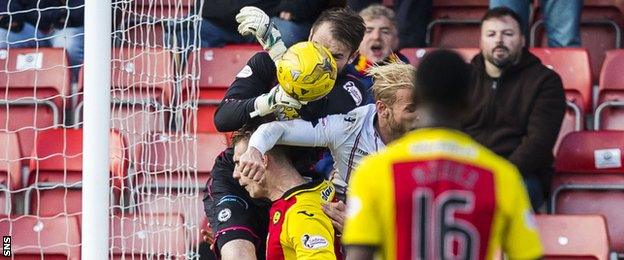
[502, 37]
[280, 163]
[393, 85]
[381, 36]
[240, 140]
[340, 30]
[442, 84]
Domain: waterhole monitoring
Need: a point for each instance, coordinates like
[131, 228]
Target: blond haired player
[436, 193]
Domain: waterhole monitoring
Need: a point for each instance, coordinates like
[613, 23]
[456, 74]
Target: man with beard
[350, 137]
[517, 104]
[378, 45]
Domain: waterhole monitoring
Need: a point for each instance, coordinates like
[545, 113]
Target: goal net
[155, 204]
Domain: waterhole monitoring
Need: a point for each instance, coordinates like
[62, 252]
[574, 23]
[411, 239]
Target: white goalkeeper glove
[268, 103]
[253, 21]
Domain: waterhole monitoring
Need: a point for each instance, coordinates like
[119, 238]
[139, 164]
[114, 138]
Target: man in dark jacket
[517, 103]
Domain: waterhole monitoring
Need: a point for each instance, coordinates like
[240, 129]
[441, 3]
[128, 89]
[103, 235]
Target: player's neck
[430, 119]
[285, 180]
[383, 129]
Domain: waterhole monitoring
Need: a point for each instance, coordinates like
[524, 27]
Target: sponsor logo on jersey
[245, 72]
[314, 241]
[326, 194]
[349, 119]
[224, 215]
[276, 217]
[354, 92]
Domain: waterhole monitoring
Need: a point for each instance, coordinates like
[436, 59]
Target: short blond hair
[389, 78]
[376, 11]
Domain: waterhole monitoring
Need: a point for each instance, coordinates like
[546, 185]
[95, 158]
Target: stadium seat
[153, 236]
[142, 84]
[168, 172]
[601, 29]
[610, 105]
[10, 170]
[415, 55]
[589, 179]
[572, 65]
[219, 67]
[456, 24]
[50, 238]
[574, 236]
[36, 83]
[55, 178]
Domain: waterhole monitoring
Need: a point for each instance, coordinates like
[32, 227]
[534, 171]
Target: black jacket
[518, 115]
[223, 12]
[47, 14]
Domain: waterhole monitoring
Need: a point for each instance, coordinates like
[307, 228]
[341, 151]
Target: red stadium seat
[589, 179]
[456, 24]
[610, 106]
[415, 55]
[36, 83]
[601, 26]
[572, 65]
[34, 237]
[55, 175]
[154, 236]
[574, 236]
[142, 83]
[10, 170]
[167, 170]
[219, 67]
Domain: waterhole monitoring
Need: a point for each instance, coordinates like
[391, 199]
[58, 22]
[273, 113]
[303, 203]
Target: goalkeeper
[240, 222]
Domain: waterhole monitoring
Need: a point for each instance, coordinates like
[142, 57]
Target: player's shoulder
[351, 85]
[259, 62]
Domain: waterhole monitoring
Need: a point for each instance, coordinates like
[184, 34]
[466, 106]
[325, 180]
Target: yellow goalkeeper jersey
[437, 194]
[299, 228]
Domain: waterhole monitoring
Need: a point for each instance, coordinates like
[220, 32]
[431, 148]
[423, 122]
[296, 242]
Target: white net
[156, 209]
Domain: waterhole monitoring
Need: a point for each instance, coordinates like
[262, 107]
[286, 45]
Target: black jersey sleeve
[257, 78]
[347, 94]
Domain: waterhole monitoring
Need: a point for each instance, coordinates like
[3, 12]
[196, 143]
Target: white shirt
[349, 137]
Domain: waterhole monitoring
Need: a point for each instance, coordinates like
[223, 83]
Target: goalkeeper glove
[253, 21]
[268, 103]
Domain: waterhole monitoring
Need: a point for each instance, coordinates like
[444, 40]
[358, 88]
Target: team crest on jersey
[327, 193]
[314, 241]
[354, 92]
[224, 215]
[245, 72]
[276, 217]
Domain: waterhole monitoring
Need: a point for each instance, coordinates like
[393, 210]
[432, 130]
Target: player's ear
[382, 109]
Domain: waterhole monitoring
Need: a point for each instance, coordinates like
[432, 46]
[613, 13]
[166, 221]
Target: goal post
[96, 187]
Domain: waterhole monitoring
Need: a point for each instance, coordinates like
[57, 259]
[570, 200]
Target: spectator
[59, 23]
[378, 45]
[517, 104]
[562, 19]
[435, 193]
[299, 229]
[412, 17]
